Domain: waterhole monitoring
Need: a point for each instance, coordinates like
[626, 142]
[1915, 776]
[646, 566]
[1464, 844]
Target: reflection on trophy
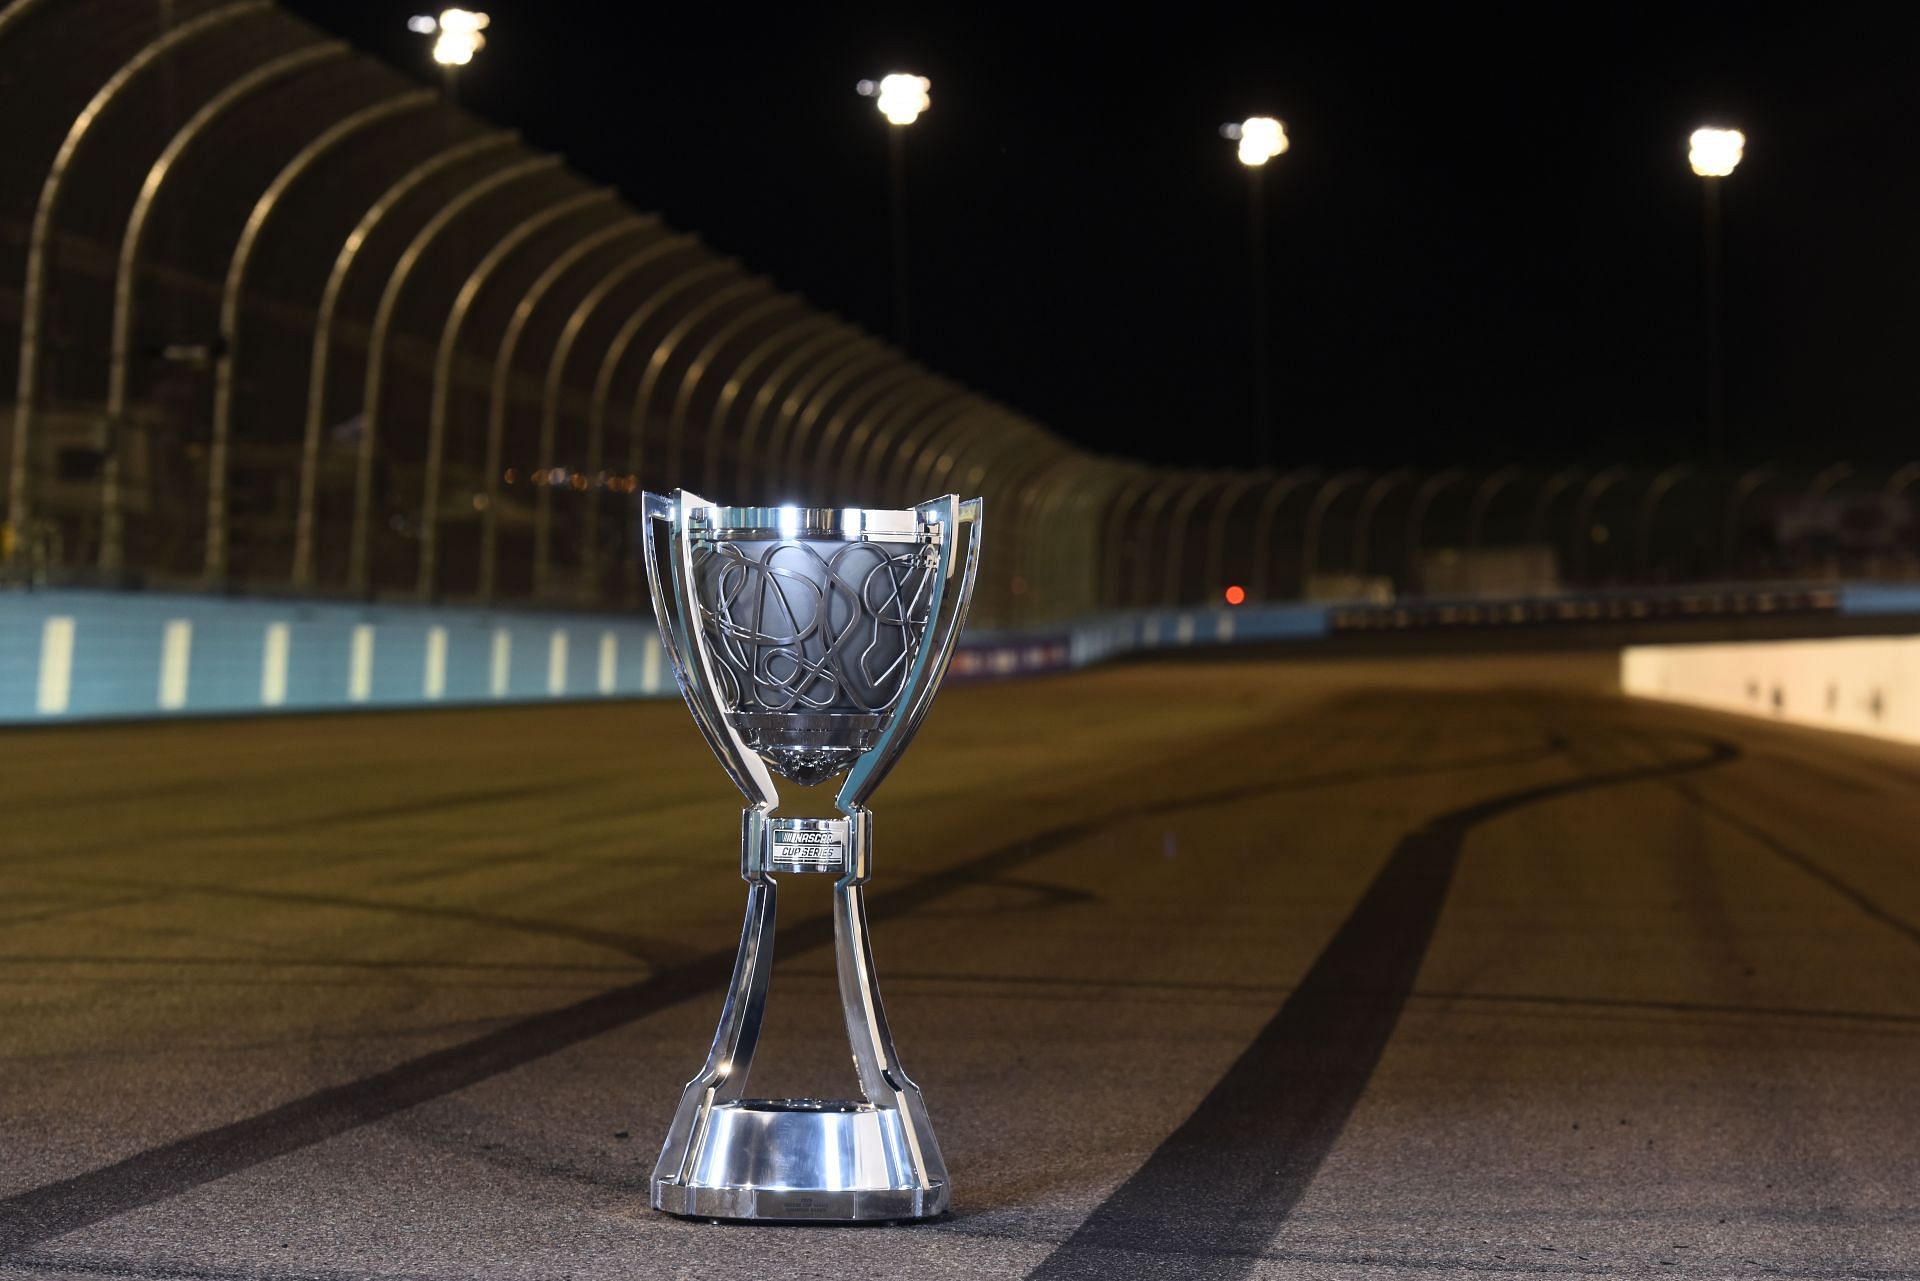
[808, 642]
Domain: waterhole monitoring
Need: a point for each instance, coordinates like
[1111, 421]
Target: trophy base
[802, 1160]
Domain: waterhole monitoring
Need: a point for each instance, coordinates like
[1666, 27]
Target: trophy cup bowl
[808, 643]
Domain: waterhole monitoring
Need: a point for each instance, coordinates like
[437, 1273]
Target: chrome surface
[807, 845]
[815, 1160]
[811, 639]
[814, 619]
[811, 522]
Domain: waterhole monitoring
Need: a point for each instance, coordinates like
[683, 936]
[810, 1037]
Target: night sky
[1485, 243]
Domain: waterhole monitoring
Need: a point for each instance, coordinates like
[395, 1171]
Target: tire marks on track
[157, 1174]
[1210, 1199]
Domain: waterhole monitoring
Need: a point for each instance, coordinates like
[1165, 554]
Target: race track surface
[1387, 967]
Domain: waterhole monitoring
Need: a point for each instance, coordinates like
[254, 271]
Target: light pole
[1260, 139]
[902, 99]
[456, 38]
[1714, 154]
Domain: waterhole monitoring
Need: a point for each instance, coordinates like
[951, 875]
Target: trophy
[808, 642]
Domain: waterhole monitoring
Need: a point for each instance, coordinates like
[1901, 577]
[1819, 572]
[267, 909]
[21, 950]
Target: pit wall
[1863, 684]
[87, 655]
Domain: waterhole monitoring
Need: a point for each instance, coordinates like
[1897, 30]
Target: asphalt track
[1316, 968]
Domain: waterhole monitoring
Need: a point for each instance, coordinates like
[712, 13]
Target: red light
[1236, 595]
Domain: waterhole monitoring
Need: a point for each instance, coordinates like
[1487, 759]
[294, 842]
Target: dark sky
[1485, 243]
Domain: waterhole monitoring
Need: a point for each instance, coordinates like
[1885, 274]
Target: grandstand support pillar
[1260, 583]
[879, 419]
[793, 432]
[317, 368]
[804, 332]
[1113, 540]
[552, 381]
[650, 376]
[1162, 493]
[233, 296]
[701, 365]
[1216, 561]
[934, 454]
[359, 580]
[654, 371]
[1177, 522]
[980, 454]
[1483, 496]
[1370, 508]
[33, 294]
[872, 439]
[1583, 516]
[499, 393]
[610, 361]
[799, 368]
[875, 397]
[895, 469]
[1323, 499]
[1657, 489]
[1423, 499]
[1750, 481]
[426, 580]
[126, 298]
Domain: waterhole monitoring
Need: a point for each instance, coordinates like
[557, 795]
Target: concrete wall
[1865, 684]
[67, 655]
[71, 654]
[78, 654]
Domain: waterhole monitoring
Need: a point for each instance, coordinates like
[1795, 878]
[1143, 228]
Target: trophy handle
[936, 650]
[680, 634]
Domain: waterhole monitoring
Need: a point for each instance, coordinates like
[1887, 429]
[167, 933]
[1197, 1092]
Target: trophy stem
[822, 1160]
[723, 1078]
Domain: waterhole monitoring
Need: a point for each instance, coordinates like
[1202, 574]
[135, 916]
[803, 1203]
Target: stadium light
[1715, 153]
[456, 34]
[1261, 138]
[902, 98]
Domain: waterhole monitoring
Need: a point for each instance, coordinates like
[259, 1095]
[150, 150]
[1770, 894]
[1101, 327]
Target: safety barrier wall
[68, 655]
[74, 655]
[1862, 684]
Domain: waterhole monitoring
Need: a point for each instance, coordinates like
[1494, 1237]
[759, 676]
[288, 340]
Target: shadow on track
[1232, 1172]
[52, 1210]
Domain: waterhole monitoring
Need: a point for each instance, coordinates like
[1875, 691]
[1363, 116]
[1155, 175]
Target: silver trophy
[808, 642]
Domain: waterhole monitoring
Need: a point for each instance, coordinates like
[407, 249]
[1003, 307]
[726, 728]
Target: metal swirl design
[799, 629]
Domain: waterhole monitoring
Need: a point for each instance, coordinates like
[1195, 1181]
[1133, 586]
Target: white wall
[1865, 684]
